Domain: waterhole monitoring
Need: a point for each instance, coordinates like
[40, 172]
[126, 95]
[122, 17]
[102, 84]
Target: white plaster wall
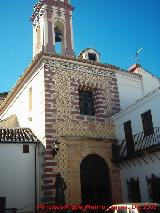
[134, 115]
[20, 105]
[140, 170]
[34, 41]
[150, 82]
[132, 87]
[42, 23]
[129, 87]
[17, 176]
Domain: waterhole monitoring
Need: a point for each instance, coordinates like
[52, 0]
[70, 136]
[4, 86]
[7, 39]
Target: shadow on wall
[10, 122]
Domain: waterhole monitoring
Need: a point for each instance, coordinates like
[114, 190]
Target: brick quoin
[50, 130]
[100, 120]
[99, 102]
[49, 141]
[48, 153]
[48, 181]
[50, 120]
[48, 125]
[48, 170]
[76, 107]
[48, 95]
[48, 176]
[48, 199]
[115, 100]
[48, 187]
[99, 112]
[50, 90]
[75, 102]
[116, 96]
[49, 82]
[49, 165]
[74, 93]
[48, 193]
[101, 116]
[115, 92]
[98, 108]
[48, 147]
[48, 158]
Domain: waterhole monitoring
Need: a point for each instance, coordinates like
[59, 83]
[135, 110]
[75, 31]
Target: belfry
[52, 27]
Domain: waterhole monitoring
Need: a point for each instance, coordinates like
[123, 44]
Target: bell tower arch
[52, 27]
[59, 39]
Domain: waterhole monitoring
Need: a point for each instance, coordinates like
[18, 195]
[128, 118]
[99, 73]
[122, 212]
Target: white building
[135, 84]
[19, 169]
[136, 151]
[67, 100]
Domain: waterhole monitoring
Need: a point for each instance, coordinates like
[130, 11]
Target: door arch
[95, 181]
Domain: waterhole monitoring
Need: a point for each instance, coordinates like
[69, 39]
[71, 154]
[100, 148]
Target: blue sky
[115, 28]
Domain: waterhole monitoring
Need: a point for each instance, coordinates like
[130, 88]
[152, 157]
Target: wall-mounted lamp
[55, 147]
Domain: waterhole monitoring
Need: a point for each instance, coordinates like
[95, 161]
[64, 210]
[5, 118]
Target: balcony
[123, 150]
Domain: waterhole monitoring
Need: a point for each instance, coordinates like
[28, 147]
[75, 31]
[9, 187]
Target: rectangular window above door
[129, 137]
[2, 203]
[147, 123]
[86, 103]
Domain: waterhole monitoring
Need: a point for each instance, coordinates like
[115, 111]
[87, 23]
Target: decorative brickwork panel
[115, 96]
[63, 81]
[49, 164]
[63, 165]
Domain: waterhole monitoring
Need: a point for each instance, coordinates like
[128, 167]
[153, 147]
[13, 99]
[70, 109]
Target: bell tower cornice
[38, 7]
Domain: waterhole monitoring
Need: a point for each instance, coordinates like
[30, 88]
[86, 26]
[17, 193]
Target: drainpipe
[35, 178]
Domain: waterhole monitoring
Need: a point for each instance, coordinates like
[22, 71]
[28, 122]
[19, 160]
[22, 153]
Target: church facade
[68, 103]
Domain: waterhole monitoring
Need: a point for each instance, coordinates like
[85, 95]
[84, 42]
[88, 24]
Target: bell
[58, 36]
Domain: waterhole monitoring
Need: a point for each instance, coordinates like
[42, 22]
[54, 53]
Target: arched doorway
[95, 181]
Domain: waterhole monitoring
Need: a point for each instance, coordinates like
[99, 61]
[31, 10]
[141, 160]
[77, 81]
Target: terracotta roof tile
[17, 135]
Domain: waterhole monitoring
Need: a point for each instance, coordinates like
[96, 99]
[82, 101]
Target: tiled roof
[17, 135]
[3, 94]
[148, 94]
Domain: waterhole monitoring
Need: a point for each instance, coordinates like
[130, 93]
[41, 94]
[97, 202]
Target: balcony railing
[141, 143]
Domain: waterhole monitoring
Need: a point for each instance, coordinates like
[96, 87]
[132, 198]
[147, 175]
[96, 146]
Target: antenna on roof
[137, 56]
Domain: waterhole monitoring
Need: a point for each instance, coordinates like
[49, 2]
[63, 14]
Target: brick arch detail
[78, 150]
[99, 100]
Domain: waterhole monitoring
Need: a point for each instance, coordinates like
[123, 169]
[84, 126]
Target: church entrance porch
[95, 181]
[92, 177]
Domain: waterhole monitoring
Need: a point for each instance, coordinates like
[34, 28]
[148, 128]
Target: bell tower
[52, 27]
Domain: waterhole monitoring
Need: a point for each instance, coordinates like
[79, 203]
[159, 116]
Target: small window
[30, 99]
[129, 137]
[147, 123]
[153, 184]
[2, 203]
[133, 190]
[92, 57]
[25, 148]
[86, 103]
